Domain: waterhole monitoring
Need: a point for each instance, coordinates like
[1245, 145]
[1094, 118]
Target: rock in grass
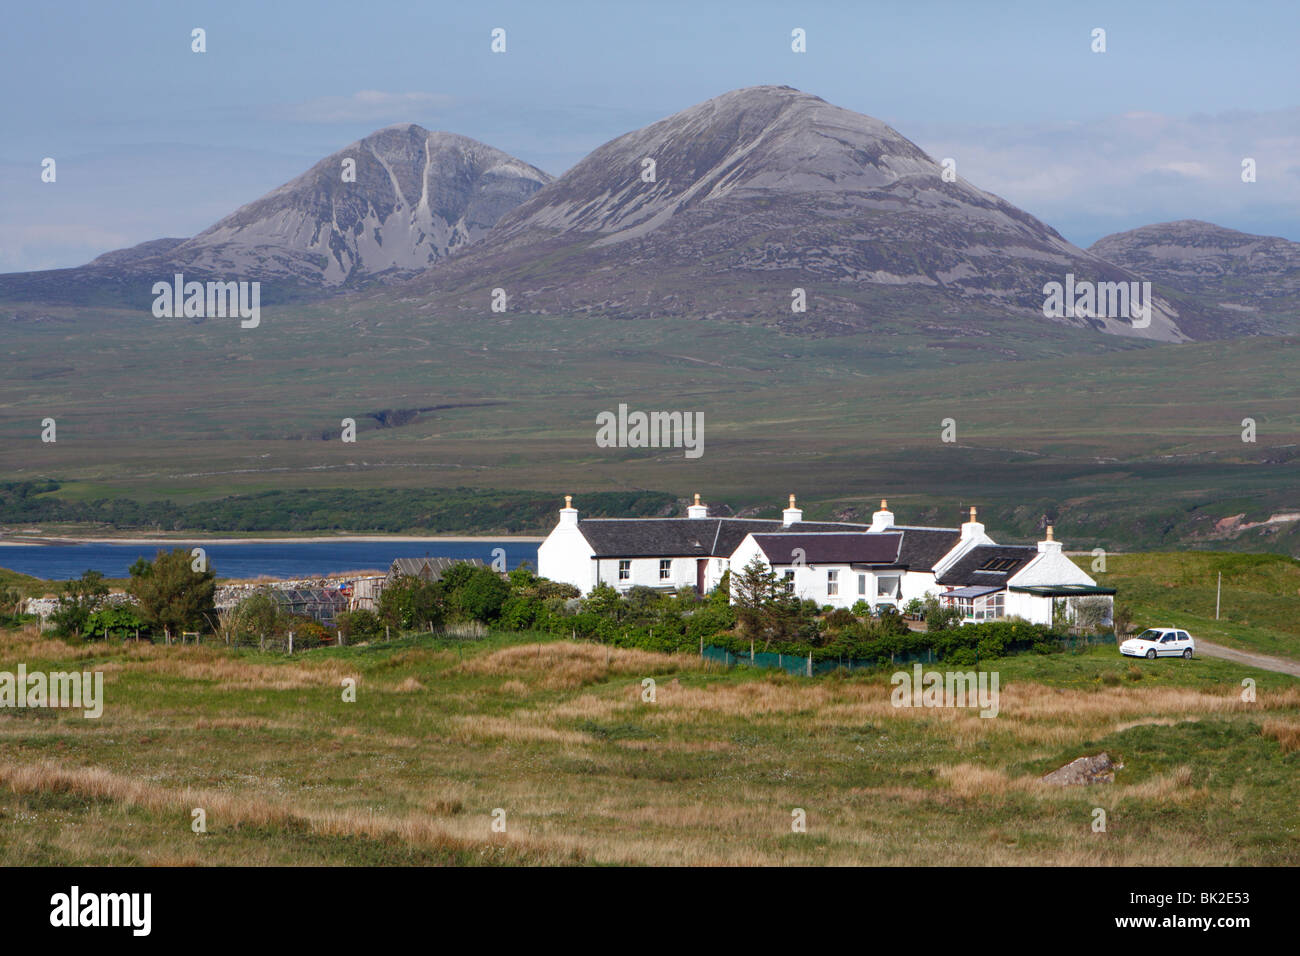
[1095, 769]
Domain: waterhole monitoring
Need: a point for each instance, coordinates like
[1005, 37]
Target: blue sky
[153, 140]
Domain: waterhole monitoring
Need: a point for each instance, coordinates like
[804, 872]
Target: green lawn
[1259, 609]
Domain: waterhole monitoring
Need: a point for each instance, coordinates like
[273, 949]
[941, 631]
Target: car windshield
[1149, 635]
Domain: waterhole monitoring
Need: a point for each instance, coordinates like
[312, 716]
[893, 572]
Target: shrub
[479, 596]
[117, 620]
[360, 625]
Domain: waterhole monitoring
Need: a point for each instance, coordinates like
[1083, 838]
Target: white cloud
[1116, 172]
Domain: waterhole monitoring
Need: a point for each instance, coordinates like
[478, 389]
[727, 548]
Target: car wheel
[1151, 654]
[1187, 654]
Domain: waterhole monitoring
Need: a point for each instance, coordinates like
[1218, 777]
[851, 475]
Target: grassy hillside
[1122, 445]
[1260, 606]
[557, 735]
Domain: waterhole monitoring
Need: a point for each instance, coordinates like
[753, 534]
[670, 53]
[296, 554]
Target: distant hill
[1253, 282]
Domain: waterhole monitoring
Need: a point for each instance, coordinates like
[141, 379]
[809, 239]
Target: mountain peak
[391, 203]
[722, 208]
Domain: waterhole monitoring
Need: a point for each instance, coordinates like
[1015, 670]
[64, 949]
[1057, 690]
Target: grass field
[557, 735]
[1259, 609]
[1123, 445]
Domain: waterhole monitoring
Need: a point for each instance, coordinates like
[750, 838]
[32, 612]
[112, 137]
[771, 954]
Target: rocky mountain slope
[416, 196]
[1253, 281]
[762, 190]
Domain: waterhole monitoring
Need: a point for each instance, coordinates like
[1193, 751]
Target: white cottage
[832, 563]
[666, 553]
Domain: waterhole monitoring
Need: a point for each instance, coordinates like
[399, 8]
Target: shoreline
[53, 540]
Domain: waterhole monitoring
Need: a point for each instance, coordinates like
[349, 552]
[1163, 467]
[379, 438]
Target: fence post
[261, 642]
[340, 634]
[751, 653]
[779, 662]
[291, 642]
[810, 663]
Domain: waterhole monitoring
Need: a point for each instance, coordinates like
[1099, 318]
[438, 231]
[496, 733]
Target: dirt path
[1281, 665]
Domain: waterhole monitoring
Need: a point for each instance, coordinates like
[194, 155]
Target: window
[625, 570]
[862, 584]
[789, 582]
[665, 569]
[832, 583]
[1000, 565]
[886, 587]
[990, 607]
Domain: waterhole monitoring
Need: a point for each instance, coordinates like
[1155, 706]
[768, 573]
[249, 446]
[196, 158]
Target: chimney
[882, 519]
[697, 510]
[972, 528]
[1049, 543]
[791, 514]
[568, 514]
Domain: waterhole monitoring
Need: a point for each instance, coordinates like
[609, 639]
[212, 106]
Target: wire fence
[810, 666]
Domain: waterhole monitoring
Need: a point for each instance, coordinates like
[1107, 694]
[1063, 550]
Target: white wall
[1032, 607]
[645, 572]
[810, 580]
[566, 556]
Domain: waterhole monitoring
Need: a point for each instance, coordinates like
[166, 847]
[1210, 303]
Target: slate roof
[430, 569]
[686, 537]
[923, 547]
[852, 547]
[966, 572]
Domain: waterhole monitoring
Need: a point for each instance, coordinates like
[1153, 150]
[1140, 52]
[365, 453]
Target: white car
[1159, 642]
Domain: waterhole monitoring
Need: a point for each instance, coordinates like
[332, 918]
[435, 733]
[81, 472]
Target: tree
[258, 614]
[170, 593]
[480, 595]
[605, 601]
[10, 599]
[81, 597]
[764, 605]
[411, 602]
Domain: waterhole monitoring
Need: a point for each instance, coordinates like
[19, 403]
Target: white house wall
[810, 581]
[645, 572]
[566, 556]
[1032, 607]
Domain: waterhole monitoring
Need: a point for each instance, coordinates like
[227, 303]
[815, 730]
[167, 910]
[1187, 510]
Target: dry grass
[564, 665]
[560, 736]
[1286, 733]
[231, 810]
